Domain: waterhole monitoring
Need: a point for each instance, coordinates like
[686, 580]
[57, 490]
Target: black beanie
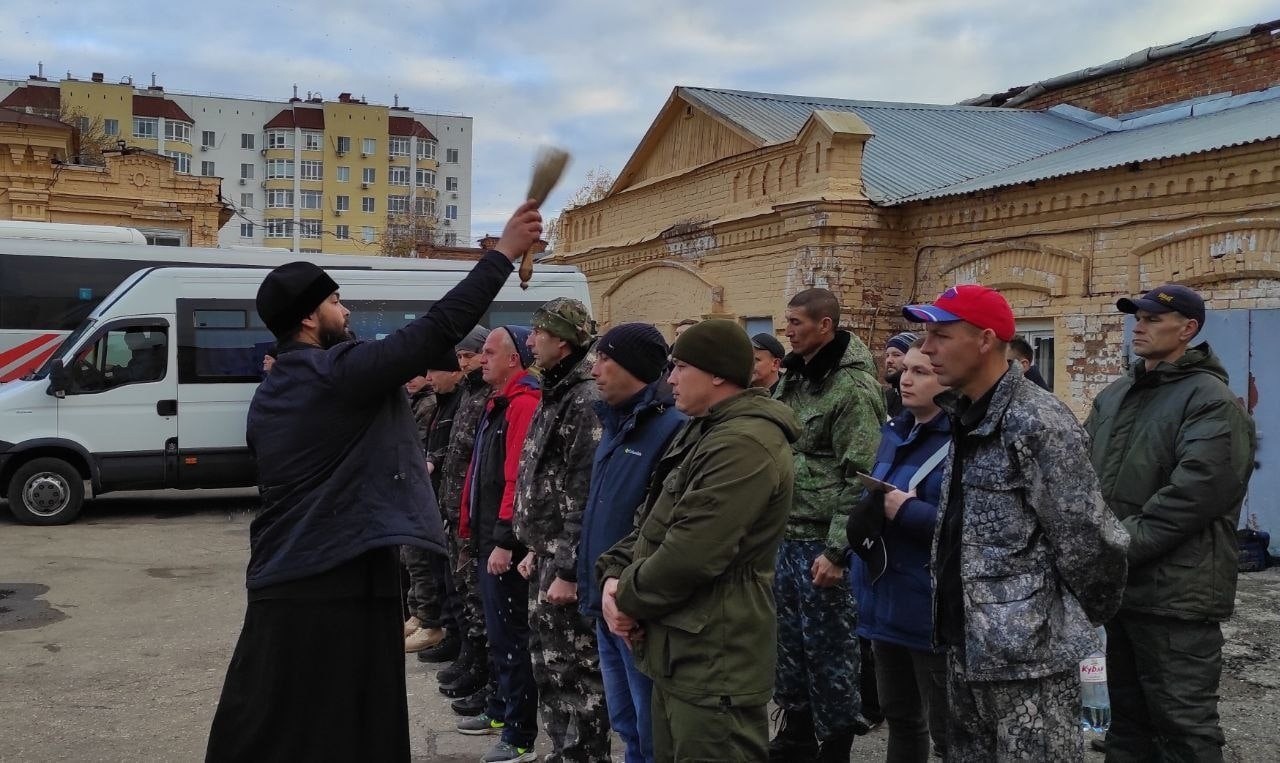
[637, 347]
[290, 293]
[720, 347]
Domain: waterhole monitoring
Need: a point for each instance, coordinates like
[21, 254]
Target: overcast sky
[588, 75]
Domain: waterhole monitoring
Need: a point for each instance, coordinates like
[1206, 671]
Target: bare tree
[90, 138]
[406, 232]
[595, 188]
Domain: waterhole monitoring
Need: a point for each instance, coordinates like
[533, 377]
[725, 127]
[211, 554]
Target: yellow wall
[134, 190]
[357, 121]
[105, 100]
[710, 242]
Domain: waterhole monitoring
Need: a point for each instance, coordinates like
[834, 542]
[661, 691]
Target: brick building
[135, 189]
[733, 201]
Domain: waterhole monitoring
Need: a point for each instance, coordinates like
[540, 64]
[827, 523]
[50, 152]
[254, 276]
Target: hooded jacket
[635, 435]
[555, 466]
[340, 464]
[1042, 559]
[489, 492]
[841, 407]
[1174, 450]
[698, 570]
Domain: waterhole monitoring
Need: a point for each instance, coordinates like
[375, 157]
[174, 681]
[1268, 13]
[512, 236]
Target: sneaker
[505, 752]
[411, 625]
[423, 638]
[480, 726]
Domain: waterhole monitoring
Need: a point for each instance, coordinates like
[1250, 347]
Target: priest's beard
[331, 335]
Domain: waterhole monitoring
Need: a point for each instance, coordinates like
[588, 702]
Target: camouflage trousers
[467, 586]
[818, 662]
[566, 667]
[1030, 719]
[424, 596]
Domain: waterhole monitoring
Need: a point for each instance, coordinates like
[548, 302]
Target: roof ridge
[852, 102]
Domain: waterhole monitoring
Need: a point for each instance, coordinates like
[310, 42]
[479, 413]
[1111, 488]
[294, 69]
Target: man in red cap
[1026, 555]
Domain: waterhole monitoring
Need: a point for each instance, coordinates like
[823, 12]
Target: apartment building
[306, 174]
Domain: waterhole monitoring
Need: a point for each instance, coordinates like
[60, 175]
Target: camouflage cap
[568, 319]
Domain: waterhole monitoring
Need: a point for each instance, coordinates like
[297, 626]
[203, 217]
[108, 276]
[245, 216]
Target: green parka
[698, 570]
[1174, 449]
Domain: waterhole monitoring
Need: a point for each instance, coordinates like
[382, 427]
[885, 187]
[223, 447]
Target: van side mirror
[59, 379]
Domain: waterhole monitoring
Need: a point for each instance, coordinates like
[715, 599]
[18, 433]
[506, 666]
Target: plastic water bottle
[1095, 702]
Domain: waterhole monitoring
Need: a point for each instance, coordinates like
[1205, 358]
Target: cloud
[591, 75]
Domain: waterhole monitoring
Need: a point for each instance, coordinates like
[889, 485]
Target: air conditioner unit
[447, 222]
[241, 181]
[337, 213]
[365, 186]
[204, 148]
[263, 151]
[263, 184]
[364, 155]
[453, 195]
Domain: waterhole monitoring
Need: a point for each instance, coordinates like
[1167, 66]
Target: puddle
[21, 607]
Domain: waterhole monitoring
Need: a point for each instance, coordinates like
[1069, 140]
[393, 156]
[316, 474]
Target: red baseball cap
[969, 302]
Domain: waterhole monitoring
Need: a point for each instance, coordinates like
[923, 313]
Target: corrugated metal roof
[1237, 126]
[916, 147]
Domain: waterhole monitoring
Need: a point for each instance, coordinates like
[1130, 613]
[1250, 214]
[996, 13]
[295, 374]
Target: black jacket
[339, 461]
[1174, 450]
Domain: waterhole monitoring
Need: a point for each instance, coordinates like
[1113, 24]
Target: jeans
[913, 697]
[628, 694]
[506, 615]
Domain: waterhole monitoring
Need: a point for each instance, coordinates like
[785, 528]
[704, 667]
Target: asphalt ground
[116, 631]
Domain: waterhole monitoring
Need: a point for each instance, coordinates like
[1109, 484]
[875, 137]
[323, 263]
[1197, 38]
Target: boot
[836, 748]
[444, 651]
[795, 740]
[468, 683]
[423, 638]
[466, 658]
[469, 707]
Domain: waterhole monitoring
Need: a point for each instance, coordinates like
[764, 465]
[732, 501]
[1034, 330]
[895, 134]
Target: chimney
[344, 97]
[96, 77]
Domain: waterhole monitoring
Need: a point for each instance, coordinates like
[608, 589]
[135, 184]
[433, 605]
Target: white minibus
[152, 389]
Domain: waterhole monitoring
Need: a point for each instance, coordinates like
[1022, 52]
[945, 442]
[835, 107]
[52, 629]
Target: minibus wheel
[46, 491]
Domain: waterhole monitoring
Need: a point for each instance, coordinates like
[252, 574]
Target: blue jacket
[635, 436]
[897, 607]
[340, 465]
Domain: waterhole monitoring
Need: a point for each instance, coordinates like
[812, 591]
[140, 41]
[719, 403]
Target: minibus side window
[134, 354]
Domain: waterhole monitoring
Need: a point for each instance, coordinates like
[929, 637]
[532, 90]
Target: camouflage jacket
[840, 405]
[423, 406]
[472, 394]
[555, 466]
[1041, 555]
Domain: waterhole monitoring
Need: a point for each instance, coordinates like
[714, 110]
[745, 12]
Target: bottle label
[1093, 670]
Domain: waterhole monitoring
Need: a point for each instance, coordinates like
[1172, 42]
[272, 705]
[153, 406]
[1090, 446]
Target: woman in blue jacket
[894, 606]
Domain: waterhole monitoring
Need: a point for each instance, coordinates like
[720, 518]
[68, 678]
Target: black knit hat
[720, 347]
[637, 347]
[290, 293]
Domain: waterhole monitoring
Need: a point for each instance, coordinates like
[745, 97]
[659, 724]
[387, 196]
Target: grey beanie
[474, 341]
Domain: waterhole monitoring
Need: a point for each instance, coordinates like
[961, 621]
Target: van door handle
[167, 407]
